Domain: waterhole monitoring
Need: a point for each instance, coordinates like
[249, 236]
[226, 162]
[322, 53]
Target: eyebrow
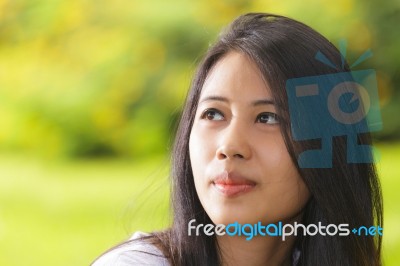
[224, 99]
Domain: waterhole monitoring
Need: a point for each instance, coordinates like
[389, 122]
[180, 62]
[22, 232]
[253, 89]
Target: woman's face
[241, 167]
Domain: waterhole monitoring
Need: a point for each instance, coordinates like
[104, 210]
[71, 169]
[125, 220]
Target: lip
[231, 184]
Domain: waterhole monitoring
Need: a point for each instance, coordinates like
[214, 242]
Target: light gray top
[143, 253]
[133, 253]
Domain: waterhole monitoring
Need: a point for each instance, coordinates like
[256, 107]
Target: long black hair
[282, 48]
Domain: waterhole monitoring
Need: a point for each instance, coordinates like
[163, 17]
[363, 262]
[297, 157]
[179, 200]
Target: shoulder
[135, 251]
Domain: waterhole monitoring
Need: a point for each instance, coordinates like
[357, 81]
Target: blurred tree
[86, 78]
[382, 17]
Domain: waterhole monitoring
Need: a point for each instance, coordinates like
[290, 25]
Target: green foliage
[87, 78]
[78, 80]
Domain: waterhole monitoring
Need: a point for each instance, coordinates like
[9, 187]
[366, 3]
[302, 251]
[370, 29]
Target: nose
[234, 143]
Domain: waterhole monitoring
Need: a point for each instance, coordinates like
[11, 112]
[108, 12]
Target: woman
[235, 161]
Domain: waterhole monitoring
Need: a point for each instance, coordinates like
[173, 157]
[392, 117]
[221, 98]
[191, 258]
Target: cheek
[201, 146]
[272, 153]
[200, 151]
[282, 180]
[299, 196]
[194, 149]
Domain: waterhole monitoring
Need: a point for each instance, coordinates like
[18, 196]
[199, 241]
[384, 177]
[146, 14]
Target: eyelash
[209, 111]
[258, 119]
[273, 115]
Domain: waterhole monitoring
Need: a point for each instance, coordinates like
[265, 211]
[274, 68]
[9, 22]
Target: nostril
[222, 156]
[226, 152]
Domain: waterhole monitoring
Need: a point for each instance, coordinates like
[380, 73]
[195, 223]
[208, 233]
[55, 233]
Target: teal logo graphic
[339, 104]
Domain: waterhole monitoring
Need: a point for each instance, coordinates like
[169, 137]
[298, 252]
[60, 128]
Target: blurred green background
[90, 92]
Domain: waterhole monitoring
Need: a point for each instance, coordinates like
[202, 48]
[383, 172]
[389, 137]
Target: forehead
[236, 75]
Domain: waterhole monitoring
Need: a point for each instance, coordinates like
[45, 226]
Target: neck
[260, 250]
[263, 250]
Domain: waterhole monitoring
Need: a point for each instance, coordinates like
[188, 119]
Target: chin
[226, 217]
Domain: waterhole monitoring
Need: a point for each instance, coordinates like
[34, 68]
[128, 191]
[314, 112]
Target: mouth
[232, 184]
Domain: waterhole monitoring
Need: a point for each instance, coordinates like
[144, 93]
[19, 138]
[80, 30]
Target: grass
[67, 213]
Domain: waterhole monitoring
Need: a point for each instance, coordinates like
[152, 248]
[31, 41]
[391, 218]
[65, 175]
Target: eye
[268, 118]
[212, 114]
